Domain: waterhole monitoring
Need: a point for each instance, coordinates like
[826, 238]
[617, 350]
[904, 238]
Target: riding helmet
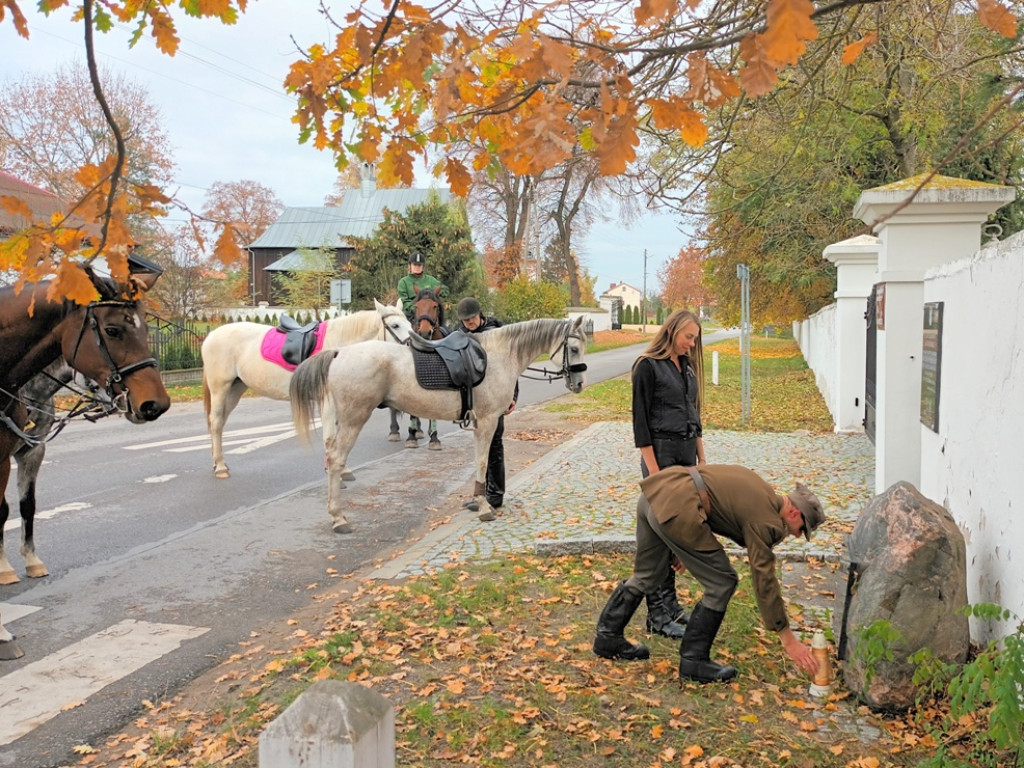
[467, 308]
[417, 258]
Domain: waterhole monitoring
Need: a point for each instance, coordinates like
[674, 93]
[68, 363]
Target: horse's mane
[428, 293]
[538, 334]
[358, 325]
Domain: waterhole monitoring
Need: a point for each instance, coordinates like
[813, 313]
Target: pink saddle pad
[273, 343]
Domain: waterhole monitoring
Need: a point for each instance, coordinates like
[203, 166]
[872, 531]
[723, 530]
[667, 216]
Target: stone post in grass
[333, 724]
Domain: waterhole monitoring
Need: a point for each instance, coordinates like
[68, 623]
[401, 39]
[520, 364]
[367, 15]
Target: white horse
[232, 363]
[362, 376]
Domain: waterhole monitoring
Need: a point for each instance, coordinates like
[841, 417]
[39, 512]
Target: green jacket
[410, 285]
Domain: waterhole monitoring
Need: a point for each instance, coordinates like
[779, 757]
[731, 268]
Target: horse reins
[117, 375]
[567, 368]
[87, 403]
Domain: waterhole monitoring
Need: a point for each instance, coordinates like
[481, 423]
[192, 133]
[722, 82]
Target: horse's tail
[307, 390]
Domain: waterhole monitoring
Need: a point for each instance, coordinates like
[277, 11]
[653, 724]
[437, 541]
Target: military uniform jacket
[744, 508]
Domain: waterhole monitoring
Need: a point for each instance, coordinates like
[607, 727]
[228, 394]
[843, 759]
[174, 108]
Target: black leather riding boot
[695, 648]
[495, 477]
[610, 642]
[661, 616]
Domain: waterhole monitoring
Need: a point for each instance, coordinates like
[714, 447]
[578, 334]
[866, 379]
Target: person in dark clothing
[688, 508]
[668, 388]
[472, 320]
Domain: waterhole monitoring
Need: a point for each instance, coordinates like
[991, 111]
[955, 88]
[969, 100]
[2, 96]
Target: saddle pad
[431, 372]
[273, 343]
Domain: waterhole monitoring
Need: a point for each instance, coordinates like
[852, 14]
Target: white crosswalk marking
[248, 440]
[73, 506]
[37, 692]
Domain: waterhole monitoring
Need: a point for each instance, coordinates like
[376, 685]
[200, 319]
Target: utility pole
[643, 299]
[743, 273]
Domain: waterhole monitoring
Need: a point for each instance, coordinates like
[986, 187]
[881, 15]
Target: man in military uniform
[417, 280]
[688, 508]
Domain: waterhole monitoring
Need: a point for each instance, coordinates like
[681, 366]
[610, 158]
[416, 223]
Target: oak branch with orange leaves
[482, 84]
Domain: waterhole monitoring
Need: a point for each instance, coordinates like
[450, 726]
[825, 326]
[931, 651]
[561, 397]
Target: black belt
[702, 490]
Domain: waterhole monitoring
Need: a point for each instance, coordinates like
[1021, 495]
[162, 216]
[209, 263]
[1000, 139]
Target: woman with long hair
[668, 389]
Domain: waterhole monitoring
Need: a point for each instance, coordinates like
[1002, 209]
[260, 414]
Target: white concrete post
[333, 724]
[856, 261]
[714, 367]
[942, 224]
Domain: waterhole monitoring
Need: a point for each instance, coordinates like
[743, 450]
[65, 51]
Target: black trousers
[680, 452]
[494, 487]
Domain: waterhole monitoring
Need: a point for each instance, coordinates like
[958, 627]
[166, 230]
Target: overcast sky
[228, 118]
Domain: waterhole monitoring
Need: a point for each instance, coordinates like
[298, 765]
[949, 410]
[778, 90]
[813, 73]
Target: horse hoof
[419, 434]
[345, 527]
[36, 571]
[347, 476]
[394, 437]
[411, 443]
[435, 445]
[9, 577]
[9, 651]
[221, 474]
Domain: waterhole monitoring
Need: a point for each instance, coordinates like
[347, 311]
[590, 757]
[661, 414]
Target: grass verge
[490, 665]
[784, 395]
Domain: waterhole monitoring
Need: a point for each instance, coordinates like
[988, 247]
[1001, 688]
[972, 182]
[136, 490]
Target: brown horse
[105, 340]
[428, 322]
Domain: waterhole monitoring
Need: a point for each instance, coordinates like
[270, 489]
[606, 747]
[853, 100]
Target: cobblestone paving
[582, 495]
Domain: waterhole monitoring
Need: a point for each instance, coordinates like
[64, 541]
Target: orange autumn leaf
[652, 12]
[853, 51]
[226, 248]
[72, 283]
[459, 179]
[758, 75]
[15, 205]
[789, 28]
[616, 148]
[994, 15]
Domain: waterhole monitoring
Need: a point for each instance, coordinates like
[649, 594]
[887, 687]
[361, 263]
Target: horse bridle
[117, 374]
[434, 322]
[567, 368]
[388, 329]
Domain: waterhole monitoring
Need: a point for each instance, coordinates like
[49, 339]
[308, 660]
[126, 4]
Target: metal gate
[870, 364]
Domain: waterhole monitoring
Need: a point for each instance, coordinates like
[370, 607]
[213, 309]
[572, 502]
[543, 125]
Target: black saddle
[457, 361]
[299, 340]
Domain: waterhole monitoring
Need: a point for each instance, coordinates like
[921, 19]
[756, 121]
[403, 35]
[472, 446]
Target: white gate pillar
[942, 223]
[856, 261]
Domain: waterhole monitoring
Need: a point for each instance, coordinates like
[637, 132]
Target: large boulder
[910, 564]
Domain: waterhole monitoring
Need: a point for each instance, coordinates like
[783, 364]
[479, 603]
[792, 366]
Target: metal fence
[177, 346]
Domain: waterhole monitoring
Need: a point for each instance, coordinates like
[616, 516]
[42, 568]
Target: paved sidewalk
[581, 497]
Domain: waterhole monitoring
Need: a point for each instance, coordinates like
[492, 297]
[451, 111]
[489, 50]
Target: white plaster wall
[602, 317]
[972, 465]
[816, 337]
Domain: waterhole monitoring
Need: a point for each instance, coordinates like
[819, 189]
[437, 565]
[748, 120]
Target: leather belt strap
[702, 490]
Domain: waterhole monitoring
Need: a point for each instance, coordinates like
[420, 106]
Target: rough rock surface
[912, 565]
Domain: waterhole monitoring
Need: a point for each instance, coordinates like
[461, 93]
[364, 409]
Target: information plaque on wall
[931, 364]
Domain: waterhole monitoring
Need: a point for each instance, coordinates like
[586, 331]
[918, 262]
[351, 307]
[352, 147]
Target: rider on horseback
[411, 284]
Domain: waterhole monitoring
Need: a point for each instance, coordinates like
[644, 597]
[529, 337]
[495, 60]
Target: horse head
[108, 341]
[573, 347]
[428, 314]
[395, 325]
